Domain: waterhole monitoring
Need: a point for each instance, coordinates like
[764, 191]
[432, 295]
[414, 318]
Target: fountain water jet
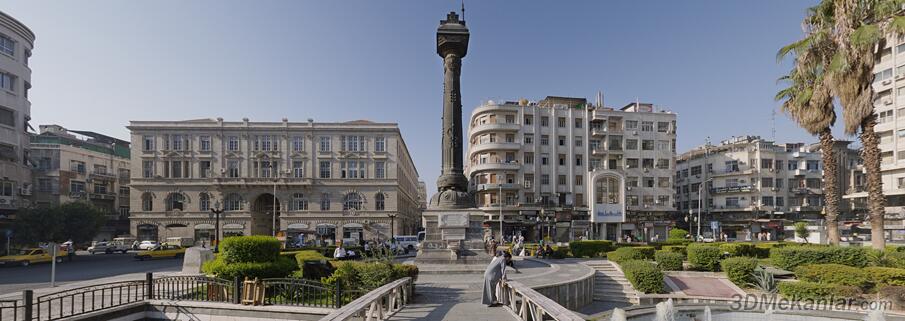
[875, 315]
[665, 311]
[708, 316]
[618, 315]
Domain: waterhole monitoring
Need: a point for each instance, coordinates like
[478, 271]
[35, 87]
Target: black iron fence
[99, 297]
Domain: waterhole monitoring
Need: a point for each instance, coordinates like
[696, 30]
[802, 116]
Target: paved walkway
[453, 297]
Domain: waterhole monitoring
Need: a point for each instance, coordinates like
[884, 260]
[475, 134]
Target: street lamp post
[392, 217]
[217, 210]
[701, 203]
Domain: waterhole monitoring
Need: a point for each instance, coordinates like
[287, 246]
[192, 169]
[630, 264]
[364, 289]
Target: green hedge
[644, 276]
[675, 249]
[790, 257]
[704, 257]
[246, 249]
[624, 254]
[677, 234]
[739, 249]
[886, 275]
[668, 260]
[366, 276]
[278, 268]
[739, 269]
[833, 274]
[590, 248]
[804, 290]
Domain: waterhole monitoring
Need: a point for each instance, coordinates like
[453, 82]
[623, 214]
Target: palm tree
[809, 102]
[848, 34]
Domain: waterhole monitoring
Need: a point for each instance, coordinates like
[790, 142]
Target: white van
[407, 242]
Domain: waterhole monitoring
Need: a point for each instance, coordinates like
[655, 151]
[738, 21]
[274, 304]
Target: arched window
[299, 202]
[232, 202]
[379, 203]
[147, 202]
[325, 202]
[352, 201]
[607, 190]
[175, 201]
[204, 202]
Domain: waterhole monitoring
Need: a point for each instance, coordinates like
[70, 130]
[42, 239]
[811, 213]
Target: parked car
[407, 242]
[107, 247]
[26, 257]
[162, 251]
[147, 245]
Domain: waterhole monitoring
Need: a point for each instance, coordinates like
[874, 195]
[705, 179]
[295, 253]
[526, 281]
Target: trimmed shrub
[404, 270]
[277, 268]
[833, 274]
[356, 275]
[738, 249]
[308, 256]
[590, 248]
[246, 249]
[704, 257]
[624, 254]
[675, 249]
[804, 290]
[644, 276]
[886, 275]
[677, 234]
[790, 257]
[895, 259]
[669, 261]
[739, 269]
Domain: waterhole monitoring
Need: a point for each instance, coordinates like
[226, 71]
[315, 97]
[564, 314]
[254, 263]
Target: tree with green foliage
[677, 234]
[801, 231]
[76, 221]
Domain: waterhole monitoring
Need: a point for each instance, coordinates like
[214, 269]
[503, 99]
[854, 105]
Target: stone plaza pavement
[453, 297]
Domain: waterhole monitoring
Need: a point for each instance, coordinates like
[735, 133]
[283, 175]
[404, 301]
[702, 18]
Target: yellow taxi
[26, 257]
[162, 251]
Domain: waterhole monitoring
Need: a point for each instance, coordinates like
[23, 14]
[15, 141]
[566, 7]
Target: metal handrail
[379, 304]
[529, 305]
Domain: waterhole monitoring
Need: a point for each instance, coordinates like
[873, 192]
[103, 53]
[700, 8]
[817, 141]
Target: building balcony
[804, 208]
[804, 172]
[805, 190]
[102, 196]
[733, 172]
[479, 148]
[732, 189]
[9, 202]
[496, 187]
[495, 166]
[732, 208]
[102, 176]
[506, 127]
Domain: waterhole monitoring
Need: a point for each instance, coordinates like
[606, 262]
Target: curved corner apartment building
[16, 43]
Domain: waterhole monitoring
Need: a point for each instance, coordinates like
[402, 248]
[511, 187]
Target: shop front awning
[352, 225]
[204, 226]
[297, 226]
[233, 226]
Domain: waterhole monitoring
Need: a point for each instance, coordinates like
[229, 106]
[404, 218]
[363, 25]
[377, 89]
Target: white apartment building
[532, 162]
[889, 105]
[83, 166]
[16, 44]
[748, 185]
[300, 181]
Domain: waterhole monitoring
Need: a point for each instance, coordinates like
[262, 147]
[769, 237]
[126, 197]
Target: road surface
[84, 267]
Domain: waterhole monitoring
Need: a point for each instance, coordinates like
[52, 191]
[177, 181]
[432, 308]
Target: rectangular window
[176, 142]
[324, 167]
[205, 143]
[578, 122]
[528, 180]
[766, 182]
[732, 202]
[663, 182]
[696, 170]
[631, 125]
[544, 140]
[766, 163]
[663, 200]
[662, 126]
[647, 144]
[561, 180]
[76, 187]
[766, 201]
[529, 120]
[578, 160]
[544, 121]
[7, 45]
[562, 159]
[631, 163]
[545, 179]
[562, 140]
[7, 117]
[647, 126]
[380, 169]
[544, 159]
[325, 144]
[780, 201]
[147, 143]
[298, 169]
[232, 168]
[631, 144]
[176, 169]
[7, 81]
[662, 163]
[147, 169]
[579, 180]
[232, 143]
[529, 158]
[561, 122]
[205, 167]
[578, 141]
[380, 144]
[298, 143]
[529, 139]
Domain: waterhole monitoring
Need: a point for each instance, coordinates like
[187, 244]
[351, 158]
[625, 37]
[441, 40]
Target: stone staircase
[610, 283]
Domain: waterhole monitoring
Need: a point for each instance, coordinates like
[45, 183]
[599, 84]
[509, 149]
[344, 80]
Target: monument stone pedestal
[453, 236]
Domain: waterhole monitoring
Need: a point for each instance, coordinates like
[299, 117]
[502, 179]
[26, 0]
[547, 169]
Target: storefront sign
[731, 189]
[608, 213]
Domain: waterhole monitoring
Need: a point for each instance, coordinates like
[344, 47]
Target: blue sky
[99, 64]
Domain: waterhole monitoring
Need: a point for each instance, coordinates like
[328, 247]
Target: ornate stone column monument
[454, 232]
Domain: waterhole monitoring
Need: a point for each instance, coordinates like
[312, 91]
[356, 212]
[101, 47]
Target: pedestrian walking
[70, 252]
[493, 275]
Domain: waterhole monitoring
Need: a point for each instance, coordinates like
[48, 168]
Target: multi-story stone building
[16, 44]
[84, 166]
[302, 181]
[748, 185]
[543, 165]
[889, 106]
